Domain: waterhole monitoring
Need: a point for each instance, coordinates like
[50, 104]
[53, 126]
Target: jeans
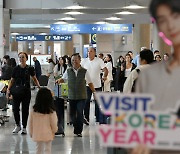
[87, 105]
[76, 113]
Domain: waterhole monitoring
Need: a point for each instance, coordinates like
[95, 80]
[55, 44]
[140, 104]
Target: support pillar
[6, 29]
[141, 36]
[67, 48]
[44, 47]
[1, 29]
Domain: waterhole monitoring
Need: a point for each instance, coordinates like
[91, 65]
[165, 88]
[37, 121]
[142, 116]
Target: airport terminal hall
[89, 77]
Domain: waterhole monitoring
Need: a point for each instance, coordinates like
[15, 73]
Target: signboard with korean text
[43, 37]
[133, 122]
[91, 29]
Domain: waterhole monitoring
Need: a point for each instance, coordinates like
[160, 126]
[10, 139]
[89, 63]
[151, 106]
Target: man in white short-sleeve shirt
[94, 66]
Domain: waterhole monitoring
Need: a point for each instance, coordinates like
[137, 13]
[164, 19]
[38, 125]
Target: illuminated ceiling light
[134, 6]
[75, 6]
[74, 13]
[125, 12]
[68, 18]
[113, 18]
[101, 22]
[14, 33]
[42, 33]
[60, 22]
[47, 26]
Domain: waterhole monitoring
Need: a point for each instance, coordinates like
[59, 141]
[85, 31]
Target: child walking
[43, 121]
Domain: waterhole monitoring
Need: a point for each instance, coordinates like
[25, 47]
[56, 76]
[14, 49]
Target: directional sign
[91, 28]
[43, 37]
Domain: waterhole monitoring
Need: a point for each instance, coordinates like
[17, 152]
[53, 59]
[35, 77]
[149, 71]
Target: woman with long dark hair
[123, 72]
[60, 68]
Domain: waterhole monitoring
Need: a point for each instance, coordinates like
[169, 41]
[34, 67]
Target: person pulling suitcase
[77, 77]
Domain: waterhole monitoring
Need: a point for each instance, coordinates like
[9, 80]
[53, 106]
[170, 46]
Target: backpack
[134, 83]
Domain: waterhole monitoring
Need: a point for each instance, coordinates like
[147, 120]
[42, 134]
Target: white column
[136, 38]
[66, 48]
[155, 38]
[63, 48]
[81, 44]
[1, 29]
[25, 46]
[44, 47]
[6, 29]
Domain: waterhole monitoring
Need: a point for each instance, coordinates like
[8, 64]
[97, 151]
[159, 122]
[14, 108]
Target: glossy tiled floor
[19, 144]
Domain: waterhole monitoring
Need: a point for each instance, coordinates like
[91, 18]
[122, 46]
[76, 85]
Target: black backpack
[134, 84]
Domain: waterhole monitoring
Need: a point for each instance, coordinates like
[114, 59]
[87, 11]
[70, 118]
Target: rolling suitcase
[59, 104]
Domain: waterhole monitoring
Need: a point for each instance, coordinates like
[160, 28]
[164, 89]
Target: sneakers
[86, 122]
[24, 131]
[58, 133]
[78, 135]
[16, 129]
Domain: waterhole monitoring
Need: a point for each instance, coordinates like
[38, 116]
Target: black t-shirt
[22, 75]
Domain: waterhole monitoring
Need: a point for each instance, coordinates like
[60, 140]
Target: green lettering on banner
[164, 121]
[133, 122]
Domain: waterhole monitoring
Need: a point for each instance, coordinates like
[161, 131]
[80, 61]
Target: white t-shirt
[50, 68]
[132, 77]
[109, 67]
[60, 72]
[164, 85]
[94, 68]
[127, 72]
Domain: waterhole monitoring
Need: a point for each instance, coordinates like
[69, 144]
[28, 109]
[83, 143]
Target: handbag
[18, 90]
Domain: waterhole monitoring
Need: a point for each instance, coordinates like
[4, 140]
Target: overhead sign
[91, 28]
[133, 122]
[43, 37]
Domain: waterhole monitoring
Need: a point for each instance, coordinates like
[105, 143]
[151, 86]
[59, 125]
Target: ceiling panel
[47, 12]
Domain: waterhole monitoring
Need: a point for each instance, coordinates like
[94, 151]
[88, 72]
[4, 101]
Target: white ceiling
[34, 15]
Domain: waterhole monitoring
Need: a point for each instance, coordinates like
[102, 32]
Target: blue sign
[43, 37]
[91, 29]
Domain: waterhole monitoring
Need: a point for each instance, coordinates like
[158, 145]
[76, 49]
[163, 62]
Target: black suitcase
[59, 104]
[43, 80]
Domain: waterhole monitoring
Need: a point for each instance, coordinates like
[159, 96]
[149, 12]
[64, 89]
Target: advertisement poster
[132, 122]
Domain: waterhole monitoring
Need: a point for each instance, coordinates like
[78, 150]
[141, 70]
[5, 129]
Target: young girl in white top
[43, 121]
